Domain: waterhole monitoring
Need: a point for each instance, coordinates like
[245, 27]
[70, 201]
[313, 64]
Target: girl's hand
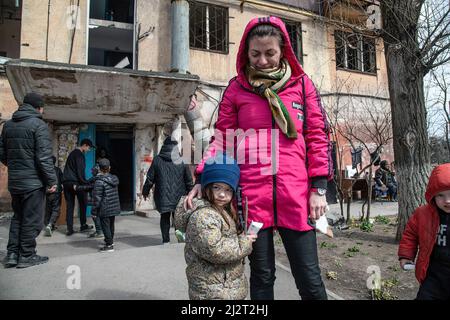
[317, 205]
[196, 191]
[252, 237]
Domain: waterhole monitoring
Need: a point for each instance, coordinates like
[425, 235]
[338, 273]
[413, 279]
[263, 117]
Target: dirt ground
[347, 261]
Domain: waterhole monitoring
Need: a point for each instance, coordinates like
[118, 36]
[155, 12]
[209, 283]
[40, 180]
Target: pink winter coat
[276, 185]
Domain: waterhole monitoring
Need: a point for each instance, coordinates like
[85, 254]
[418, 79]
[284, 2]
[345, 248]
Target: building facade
[116, 71]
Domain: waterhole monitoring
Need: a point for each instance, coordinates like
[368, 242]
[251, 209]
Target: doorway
[115, 142]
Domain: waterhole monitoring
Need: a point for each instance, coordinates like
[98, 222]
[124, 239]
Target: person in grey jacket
[26, 149]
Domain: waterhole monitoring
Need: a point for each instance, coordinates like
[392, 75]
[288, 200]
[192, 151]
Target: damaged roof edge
[3, 61]
[101, 93]
[81, 67]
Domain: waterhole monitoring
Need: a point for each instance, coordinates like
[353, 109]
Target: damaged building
[123, 72]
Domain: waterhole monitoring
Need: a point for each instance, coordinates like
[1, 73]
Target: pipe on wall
[180, 36]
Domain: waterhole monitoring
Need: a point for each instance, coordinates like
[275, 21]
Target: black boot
[11, 260]
[25, 262]
[86, 228]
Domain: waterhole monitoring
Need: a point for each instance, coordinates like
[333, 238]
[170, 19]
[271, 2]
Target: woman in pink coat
[272, 119]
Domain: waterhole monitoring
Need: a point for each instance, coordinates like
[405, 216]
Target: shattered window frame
[355, 52]
[208, 27]
[294, 29]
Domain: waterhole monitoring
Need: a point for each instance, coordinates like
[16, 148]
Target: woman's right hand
[196, 191]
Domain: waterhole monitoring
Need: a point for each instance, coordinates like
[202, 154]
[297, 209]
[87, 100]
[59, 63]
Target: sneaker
[96, 234]
[104, 245]
[70, 232]
[86, 228]
[25, 262]
[48, 231]
[11, 260]
[106, 248]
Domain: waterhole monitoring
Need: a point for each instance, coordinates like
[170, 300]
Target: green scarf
[267, 82]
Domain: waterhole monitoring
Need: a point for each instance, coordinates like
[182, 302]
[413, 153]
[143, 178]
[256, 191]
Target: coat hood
[26, 111]
[439, 181]
[288, 53]
[167, 153]
[109, 179]
[182, 216]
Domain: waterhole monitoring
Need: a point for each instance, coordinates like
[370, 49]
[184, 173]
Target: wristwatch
[320, 191]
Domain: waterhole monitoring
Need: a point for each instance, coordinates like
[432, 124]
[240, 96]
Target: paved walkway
[377, 208]
[139, 268]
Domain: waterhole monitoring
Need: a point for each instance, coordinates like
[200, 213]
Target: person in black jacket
[106, 204]
[385, 177]
[26, 149]
[74, 175]
[172, 181]
[53, 203]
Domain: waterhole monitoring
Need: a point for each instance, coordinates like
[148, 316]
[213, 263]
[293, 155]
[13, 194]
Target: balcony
[350, 11]
[80, 93]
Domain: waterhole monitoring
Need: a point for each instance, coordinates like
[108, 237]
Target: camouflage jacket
[214, 253]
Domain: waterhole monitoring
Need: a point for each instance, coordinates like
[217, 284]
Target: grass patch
[382, 219]
[351, 252]
[325, 244]
[385, 291]
[366, 226]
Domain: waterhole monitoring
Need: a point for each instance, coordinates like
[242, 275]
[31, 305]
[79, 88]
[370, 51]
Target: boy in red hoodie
[428, 229]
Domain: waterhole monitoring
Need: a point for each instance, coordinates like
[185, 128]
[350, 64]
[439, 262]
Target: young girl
[428, 232]
[215, 243]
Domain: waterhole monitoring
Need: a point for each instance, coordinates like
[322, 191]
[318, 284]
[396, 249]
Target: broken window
[208, 27]
[294, 30]
[355, 52]
[112, 10]
[10, 28]
[110, 43]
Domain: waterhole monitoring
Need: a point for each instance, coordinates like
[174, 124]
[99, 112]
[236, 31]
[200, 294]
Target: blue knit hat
[221, 169]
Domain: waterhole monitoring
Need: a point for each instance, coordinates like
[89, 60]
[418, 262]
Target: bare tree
[367, 123]
[360, 120]
[442, 81]
[437, 101]
[333, 114]
[416, 35]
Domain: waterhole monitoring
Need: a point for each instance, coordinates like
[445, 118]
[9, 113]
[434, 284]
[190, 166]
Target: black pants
[27, 222]
[164, 223]
[392, 191]
[108, 229]
[436, 284]
[52, 207]
[70, 194]
[98, 225]
[301, 249]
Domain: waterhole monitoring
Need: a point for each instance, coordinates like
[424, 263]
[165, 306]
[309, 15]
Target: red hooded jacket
[422, 228]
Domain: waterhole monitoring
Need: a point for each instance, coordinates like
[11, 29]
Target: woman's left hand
[317, 205]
